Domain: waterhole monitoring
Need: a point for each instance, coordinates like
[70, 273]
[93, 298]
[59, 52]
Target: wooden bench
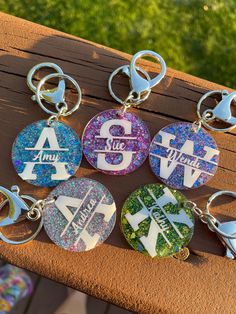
[205, 283]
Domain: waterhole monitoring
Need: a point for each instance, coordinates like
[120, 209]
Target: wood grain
[205, 283]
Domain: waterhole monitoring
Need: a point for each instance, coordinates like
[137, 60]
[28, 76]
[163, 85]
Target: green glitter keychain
[156, 221]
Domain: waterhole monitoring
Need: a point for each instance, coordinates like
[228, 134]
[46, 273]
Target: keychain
[156, 222]
[48, 151]
[115, 141]
[77, 215]
[183, 155]
[159, 222]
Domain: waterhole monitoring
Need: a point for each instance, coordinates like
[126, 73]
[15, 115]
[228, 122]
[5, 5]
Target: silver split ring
[36, 68]
[207, 212]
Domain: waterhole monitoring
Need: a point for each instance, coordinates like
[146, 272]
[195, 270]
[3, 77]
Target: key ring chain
[48, 152]
[116, 141]
[77, 215]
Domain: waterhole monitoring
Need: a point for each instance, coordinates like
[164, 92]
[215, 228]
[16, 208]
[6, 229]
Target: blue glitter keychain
[48, 152]
[77, 215]
[183, 155]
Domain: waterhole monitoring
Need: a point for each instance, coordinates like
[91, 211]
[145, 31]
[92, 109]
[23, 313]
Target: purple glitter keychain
[183, 158]
[183, 155]
[116, 142]
[77, 215]
[82, 216]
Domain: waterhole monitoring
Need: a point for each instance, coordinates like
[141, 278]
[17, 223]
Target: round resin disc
[46, 155]
[116, 143]
[82, 216]
[156, 222]
[182, 158]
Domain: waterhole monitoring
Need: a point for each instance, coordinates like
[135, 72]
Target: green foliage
[194, 36]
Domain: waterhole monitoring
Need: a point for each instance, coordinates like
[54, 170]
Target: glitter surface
[45, 156]
[182, 158]
[156, 222]
[116, 144]
[82, 216]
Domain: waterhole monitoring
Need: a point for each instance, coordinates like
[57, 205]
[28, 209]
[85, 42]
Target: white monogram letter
[63, 202]
[48, 135]
[156, 228]
[183, 157]
[126, 155]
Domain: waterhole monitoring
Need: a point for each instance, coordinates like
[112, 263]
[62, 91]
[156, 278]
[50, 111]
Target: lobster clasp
[226, 231]
[17, 206]
[18, 211]
[221, 112]
[230, 243]
[139, 84]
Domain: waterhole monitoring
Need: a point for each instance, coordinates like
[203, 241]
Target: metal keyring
[207, 211]
[62, 76]
[33, 236]
[36, 68]
[125, 70]
[203, 117]
[14, 242]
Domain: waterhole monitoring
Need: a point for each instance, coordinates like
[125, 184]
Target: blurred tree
[194, 36]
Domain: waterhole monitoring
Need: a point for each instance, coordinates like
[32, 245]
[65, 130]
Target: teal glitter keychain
[48, 151]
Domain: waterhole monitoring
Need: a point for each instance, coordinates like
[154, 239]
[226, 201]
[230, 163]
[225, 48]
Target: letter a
[47, 135]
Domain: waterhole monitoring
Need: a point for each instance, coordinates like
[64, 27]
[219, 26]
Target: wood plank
[114, 272]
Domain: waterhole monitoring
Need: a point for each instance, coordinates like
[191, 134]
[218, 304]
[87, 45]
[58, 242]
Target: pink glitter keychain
[78, 214]
[116, 142]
